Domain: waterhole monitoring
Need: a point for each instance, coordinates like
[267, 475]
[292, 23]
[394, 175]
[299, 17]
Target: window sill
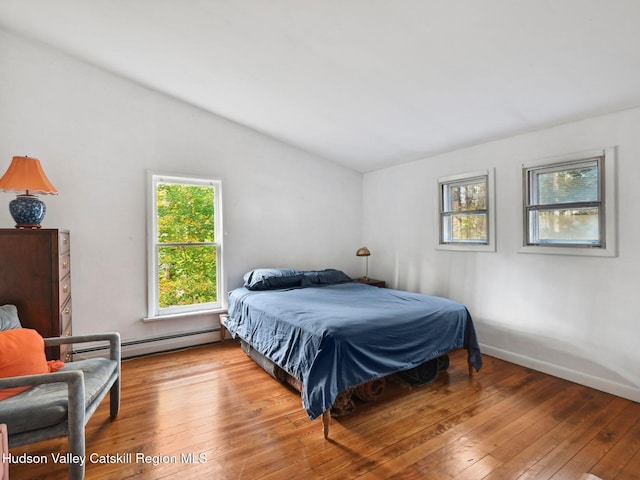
[177, 316]
[467, 247]
[575, 251]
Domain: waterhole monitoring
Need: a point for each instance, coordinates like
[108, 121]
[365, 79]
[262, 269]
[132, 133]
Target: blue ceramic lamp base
[27, 211]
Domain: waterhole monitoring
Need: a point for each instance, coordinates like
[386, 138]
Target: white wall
[575, 317]
[97, 135]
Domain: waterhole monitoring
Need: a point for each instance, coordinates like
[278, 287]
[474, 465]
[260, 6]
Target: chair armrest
[70, 377]
[112, 337]
[76, 415]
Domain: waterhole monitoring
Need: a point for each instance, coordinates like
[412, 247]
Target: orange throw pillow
[21, 353]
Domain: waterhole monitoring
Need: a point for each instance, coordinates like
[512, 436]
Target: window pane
[185, 213]
[465, 228]
[469, 196]
[574, 226]
[568, 185]
[187, 275]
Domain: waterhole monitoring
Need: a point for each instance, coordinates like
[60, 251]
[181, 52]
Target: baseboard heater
[160, 344]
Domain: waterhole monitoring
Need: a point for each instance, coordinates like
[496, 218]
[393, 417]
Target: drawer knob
[65, 288]
[67, 311]
[65, 264]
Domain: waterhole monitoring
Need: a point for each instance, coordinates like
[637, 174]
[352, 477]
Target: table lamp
[25, 174]
[364, 252]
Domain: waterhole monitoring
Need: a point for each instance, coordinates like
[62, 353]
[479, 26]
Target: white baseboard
[602, 384]
[148, 346]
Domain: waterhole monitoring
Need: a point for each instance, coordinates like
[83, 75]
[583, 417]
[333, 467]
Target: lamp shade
[25, 174]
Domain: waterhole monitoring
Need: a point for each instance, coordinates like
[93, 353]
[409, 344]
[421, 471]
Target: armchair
[60, 404]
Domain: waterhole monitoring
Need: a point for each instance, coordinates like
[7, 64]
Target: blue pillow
[272, 278]
[9, 317]
[324, 277]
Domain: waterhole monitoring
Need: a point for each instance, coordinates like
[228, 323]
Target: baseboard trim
[602, 384]
[151, 345]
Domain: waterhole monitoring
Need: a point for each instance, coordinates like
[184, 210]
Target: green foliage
[470, 227]
[185, 213]
[187, 273]
[467, 198]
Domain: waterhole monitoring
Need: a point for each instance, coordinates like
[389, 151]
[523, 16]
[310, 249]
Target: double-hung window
[566, 206]
[466, 212]
[185, 264]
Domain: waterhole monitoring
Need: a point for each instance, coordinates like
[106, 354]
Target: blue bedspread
[336, 337]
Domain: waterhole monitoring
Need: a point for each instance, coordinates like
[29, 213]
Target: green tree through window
[186, 244]
[464, 211]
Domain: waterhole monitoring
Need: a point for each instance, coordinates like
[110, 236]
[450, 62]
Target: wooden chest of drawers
[35, 276]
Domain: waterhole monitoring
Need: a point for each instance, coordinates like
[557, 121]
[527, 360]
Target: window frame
[605, 158]
[464, 178]
[154, 311]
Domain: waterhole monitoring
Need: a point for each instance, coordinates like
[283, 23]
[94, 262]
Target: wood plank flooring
[210, 412]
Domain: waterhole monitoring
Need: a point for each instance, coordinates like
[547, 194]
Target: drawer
[67, 330]
[64, 265]
[63, 243]
[64, 289]
[65, 319]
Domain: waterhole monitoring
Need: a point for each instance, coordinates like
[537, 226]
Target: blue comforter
[335, 337]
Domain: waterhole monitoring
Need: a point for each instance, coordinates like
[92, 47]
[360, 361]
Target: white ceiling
[365, 83]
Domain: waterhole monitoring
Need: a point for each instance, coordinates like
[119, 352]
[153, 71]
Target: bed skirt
[368, 392]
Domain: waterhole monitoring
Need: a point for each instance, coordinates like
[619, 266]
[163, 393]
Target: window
[566, 204]
[185, 267]
[465, 213]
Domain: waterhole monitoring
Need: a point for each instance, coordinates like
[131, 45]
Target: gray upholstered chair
[60, 404]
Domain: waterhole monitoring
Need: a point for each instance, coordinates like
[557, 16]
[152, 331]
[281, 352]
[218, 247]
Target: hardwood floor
[210, 412]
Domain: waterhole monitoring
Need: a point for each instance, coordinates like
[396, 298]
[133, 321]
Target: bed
[331, 334]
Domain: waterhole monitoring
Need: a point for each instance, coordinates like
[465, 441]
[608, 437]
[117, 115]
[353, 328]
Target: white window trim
[490, 246]
[608, 203]
[153, 313]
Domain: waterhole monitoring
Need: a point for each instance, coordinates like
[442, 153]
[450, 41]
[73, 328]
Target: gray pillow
[9, 318]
